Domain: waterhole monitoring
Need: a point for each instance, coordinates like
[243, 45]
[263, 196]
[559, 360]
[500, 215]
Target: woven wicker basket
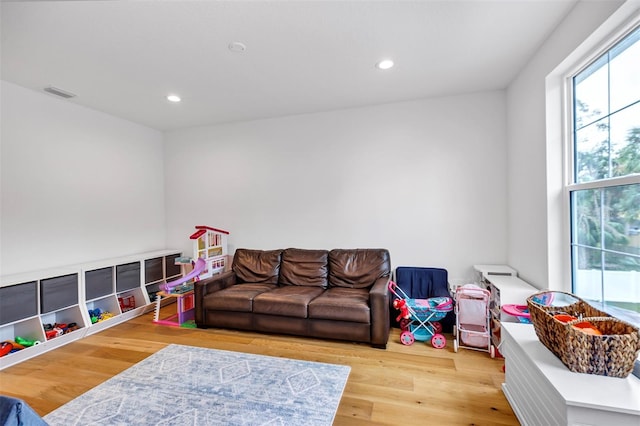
[612, 354]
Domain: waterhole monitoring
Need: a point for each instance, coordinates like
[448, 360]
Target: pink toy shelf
[182, 291]
[185, 307]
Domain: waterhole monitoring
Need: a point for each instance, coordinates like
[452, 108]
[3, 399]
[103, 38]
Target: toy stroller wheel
[492, 351]
[406, 338]
[438, 341]
[455, 346]
[404, 324]
[437, 327]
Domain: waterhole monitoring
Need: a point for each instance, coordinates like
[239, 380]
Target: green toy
[26, 342]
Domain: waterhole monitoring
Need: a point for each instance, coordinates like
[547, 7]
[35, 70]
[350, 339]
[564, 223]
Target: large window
[605, 185]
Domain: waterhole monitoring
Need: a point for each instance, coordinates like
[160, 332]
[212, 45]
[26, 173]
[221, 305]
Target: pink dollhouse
[210, 244]
[210, 257]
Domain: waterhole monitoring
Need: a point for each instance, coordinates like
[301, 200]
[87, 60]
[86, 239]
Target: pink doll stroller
[419, 317]
[472, 329]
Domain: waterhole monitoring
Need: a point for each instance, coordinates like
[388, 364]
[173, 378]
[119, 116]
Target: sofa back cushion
[357, 268]
[257, 266]
[304, 267]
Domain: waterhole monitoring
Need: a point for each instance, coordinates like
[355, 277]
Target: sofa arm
[208, 286]
[379, 303]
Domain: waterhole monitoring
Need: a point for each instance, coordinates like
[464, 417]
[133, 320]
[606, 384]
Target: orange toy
[564, 317]
[587, 327]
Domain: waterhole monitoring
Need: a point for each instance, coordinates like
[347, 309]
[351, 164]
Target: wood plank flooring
[413, 385]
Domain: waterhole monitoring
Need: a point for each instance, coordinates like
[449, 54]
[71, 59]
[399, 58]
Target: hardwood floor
[413, 385]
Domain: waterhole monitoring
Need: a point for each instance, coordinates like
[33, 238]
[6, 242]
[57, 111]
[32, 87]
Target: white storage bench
[542, 390]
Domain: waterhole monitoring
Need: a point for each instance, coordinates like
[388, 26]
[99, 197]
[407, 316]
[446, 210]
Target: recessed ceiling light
[385, 64]
[173, 98]
[237, 47]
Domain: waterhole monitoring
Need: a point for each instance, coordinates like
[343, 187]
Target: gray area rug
[185, 385]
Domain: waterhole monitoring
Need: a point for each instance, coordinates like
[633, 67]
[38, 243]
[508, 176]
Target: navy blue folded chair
[423, 283]
[16, 412]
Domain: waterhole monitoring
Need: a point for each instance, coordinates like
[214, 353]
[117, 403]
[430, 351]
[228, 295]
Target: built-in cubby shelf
[159, 270]
[121, 287]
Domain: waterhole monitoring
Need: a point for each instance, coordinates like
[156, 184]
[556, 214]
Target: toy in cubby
[5, 348]
[127, 303]
[51, 331]
[10, 346]
[97, 315]
[56, 330]
[19, 343]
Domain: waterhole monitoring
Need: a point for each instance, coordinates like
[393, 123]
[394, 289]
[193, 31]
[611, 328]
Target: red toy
[401, 305]
[53, 333]
[5, 348]
[127, 303]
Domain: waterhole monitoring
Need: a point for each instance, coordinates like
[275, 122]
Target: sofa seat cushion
[290, 301]
[238, 298]
[304, 267]
[257, 266]
[342, 304]
[357, 268]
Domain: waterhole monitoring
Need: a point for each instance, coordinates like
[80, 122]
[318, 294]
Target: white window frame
[569, 185]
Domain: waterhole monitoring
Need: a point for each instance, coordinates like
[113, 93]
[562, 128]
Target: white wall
[77, 184]
[425, 179]
[535, 213]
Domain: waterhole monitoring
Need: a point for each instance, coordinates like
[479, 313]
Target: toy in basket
[472, 320]
[584, 338]
[419, 317]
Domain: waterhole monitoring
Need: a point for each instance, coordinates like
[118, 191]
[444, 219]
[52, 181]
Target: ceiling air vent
[59, 92]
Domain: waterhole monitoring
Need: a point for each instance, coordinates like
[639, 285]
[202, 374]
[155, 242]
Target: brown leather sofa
[338, 294]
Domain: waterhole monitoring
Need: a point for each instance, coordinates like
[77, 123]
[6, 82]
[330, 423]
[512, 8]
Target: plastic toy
[16, 346]
[473, 329]
[210, 244]
[53, 333]
[545, 299]
[72, 327]
[424, 315]
[5, 348]
[97, 315]
[27, 343]
[210, 250]
[198, 268]
[127, 303]
[521, 312]
[584, 326]
[58, 329]
[565, 317]
[185, 306]
[105, 316]
[587, 327]
[94, 314]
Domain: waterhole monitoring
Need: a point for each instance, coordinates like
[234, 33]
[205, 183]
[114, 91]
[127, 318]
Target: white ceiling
[124, 57]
